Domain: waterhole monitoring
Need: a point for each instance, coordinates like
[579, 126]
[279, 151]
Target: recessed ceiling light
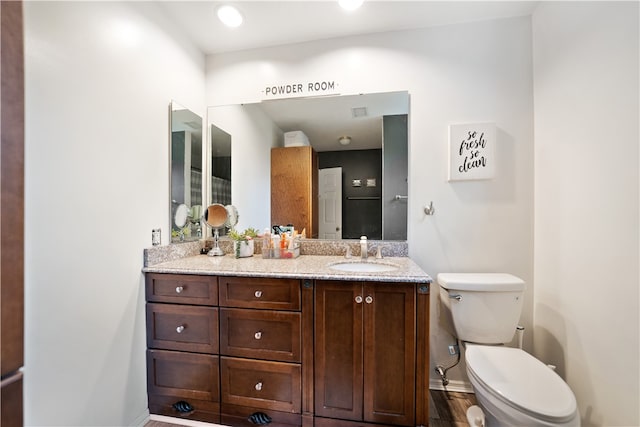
[230, 16]
[350, 4]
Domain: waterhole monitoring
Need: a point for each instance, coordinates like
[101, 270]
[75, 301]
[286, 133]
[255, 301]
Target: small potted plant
[243, 242]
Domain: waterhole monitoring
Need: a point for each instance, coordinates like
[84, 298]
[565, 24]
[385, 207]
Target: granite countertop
[303, 267]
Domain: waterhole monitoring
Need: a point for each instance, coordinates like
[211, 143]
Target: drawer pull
[179, 289]
[258, 294]
[258, 335]
[358, 299]
[368, 299]
[260, 418]
[259, 386]
[179, 329]
[182, 407]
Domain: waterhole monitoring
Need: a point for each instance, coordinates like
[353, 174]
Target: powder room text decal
[471, 151]
[295, 89]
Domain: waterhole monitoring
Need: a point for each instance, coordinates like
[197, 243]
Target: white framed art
[471, 151]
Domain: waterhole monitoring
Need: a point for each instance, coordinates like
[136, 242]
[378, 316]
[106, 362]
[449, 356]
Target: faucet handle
[347, 253]
[379, 252]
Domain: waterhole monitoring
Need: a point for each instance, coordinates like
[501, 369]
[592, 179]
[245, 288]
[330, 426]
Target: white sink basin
[363, 266]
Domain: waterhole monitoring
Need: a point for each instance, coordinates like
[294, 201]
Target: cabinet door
[389, 353]
[338, 350]
[294, 188]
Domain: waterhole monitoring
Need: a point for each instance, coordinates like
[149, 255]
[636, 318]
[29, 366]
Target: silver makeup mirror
[215, 217]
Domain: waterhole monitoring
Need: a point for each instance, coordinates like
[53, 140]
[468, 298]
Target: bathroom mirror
[219, 166]
[373, 163]
[185, 153]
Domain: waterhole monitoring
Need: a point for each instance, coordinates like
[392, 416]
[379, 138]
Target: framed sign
[471, 151]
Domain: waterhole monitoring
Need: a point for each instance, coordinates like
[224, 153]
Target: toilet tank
[484, 307]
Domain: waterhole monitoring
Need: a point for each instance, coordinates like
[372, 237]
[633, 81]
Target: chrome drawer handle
[258, 335]
[179, 289]
[259, 386]
[179, 329]
[358, 299]
[258, 294]
[368, 299]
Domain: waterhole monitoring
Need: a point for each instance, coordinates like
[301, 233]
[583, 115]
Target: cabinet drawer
[257, 292]
[260, 334]
[182, 289]
[259, 384]
[182, 327]
[184, 375]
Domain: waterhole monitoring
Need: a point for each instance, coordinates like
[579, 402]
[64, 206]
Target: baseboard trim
[183, 422]
[454, 385]
[141, 420]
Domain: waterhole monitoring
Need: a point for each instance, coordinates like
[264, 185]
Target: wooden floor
[449, 408]
[446, 409]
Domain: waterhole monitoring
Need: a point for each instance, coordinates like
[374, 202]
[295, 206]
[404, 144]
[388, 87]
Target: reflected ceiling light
[230, 16]
[350, 4]
[344, 140]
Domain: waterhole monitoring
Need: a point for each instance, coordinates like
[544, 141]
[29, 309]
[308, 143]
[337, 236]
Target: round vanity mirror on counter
[215, 217]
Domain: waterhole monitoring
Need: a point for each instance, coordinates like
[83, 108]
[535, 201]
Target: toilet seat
[521, 381]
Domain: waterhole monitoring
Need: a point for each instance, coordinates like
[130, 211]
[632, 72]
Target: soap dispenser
[363, 247]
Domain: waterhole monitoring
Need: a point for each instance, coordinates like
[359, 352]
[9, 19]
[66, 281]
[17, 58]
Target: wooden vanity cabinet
[183, 373]
[261, 346]
[365, 354]
[303, 352]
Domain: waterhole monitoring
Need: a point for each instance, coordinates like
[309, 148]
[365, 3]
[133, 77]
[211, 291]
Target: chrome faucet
[364, 248]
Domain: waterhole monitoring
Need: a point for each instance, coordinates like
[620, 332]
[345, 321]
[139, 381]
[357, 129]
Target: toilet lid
[522, 381]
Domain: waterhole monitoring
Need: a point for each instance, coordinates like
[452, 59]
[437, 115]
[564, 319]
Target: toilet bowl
[512, 387]
[516, 389]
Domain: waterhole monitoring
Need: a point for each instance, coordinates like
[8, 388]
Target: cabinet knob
[258, 335]
[368, 299]
[179, 289]
[259, 386]
[258, 294]
[179, 329]
[359, 299]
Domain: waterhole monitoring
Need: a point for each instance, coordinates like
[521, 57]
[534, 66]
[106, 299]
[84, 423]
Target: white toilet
[512, 387]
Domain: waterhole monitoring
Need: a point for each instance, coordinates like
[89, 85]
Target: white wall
[586, 203]
[99, 79]
[252, 136]
[454, 74]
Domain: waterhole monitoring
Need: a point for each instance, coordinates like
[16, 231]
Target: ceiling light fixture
[350, 4]
[230, 16]
[344, 140]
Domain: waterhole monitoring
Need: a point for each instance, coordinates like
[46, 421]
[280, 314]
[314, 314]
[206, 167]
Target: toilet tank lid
[480, 282]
